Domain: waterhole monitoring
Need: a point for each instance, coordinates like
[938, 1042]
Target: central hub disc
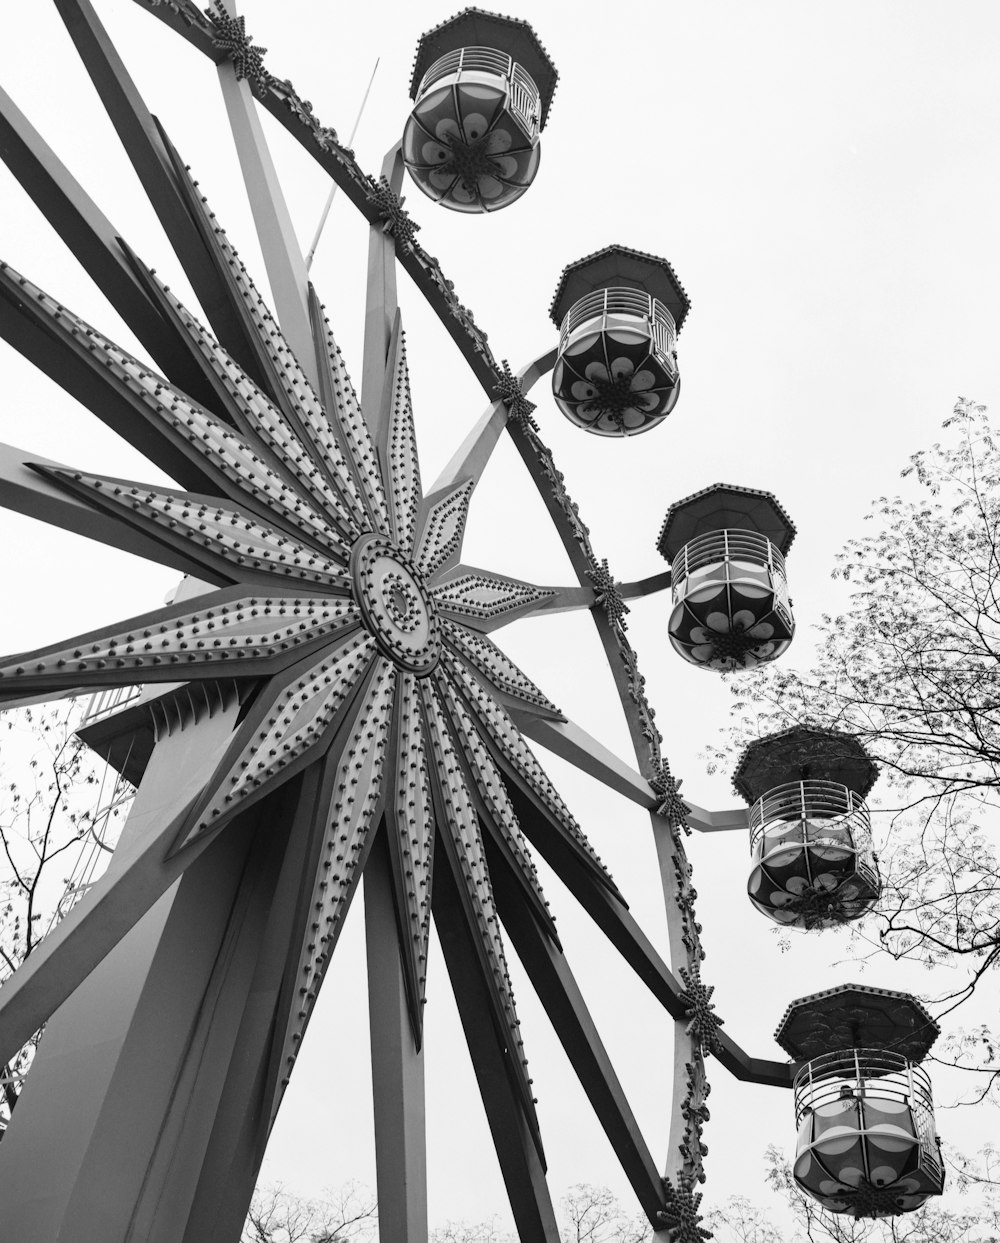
[395, 604]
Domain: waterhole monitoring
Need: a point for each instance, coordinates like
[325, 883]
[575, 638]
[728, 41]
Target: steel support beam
[97, 1103]
[476, 449]
[520, 1162]
[397, 1065]
[571, 743]
[381, 305]
[233, 1102]
[558, 991]
[138, 876]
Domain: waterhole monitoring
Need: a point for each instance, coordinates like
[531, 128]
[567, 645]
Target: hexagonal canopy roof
[802, 753]
[856, 1016]
[721, 506]
[620, 267]
[474, 27]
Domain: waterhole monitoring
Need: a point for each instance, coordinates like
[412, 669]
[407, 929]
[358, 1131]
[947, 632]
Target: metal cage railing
[523, 100]
[873, 1075]
[106, 702]
[606, 303]
[726, 547]
[838, 808]
[730, 544]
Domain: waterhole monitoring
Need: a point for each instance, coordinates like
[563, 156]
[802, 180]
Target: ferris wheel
[323, 701]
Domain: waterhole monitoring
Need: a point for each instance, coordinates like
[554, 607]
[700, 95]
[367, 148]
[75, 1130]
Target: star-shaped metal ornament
[231, 37]
[341, 610]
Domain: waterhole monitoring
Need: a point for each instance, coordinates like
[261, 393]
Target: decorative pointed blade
[497, 670]
[163, 423]
[410, 824]
[241, 294]
[440, 542]
[462, 842]
[354, 797]
[496, 809]
[341, 402]
[273, 435]
[208, 637]
[485, 601]
[291, 723]
[229, 542]
[400, 447]
[517, 762]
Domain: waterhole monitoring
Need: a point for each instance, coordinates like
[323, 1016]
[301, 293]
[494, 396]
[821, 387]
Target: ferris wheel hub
[395, 604]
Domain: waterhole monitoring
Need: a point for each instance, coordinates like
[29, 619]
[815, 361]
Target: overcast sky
[823, 177]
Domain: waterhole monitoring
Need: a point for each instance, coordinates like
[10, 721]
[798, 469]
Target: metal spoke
[95, 242]
[26, 489]
[554, 983]
[154, 162]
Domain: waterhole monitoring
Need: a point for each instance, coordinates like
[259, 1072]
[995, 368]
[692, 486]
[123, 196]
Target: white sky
[824, 179]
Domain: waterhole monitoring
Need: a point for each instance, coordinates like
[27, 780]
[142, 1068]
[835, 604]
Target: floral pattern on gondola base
[813, 907]
[735, 626]
[611, 377]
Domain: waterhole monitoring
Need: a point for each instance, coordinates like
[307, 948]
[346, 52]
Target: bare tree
[339, 1216]
[470, 1232]
[593, 1215]
[42, 817]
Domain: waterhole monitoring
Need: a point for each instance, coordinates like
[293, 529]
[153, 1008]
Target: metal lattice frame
[342, 708]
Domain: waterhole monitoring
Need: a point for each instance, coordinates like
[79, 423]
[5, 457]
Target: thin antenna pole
[329, 202]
